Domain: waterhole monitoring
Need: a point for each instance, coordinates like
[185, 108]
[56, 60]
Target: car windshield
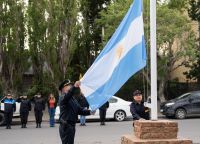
[183, 96]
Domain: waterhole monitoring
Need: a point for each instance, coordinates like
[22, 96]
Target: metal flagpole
[153, 55]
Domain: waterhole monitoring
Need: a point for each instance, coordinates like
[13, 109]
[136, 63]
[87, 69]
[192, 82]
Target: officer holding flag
[69, 111]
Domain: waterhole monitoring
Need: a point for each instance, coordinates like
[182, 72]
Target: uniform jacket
[70, 108]
[39, 104]
[139, 111]
[25, 105]
[82, 101]
[9, 105]
[104, 106]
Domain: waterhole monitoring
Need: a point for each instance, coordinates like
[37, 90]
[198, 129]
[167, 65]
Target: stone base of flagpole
[154, 132]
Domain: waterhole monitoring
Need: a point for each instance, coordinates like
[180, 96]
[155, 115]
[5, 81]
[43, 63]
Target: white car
[118, 109]
[15, 114]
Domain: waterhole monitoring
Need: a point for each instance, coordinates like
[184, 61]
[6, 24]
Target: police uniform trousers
[24, 117]
[8, 118]
[67, 133]
[102, 115]
[38, 116]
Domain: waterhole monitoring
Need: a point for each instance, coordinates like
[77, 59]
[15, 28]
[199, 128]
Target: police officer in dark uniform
[25, 107]
[9, 108]
[38, 109]
[102, 112]
[137, 108]
[69, 111]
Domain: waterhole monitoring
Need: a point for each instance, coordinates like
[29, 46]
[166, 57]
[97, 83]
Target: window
[196, 96]
[112, 100]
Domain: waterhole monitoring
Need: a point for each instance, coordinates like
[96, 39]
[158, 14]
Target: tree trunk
[161, 89]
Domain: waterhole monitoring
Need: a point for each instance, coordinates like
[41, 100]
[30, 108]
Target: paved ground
[93, 133]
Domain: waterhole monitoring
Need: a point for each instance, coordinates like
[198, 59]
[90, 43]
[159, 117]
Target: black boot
[37, 125]
[22, 126]
[25, 126]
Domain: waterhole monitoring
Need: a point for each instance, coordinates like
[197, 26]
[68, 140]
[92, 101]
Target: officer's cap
[64, 83]
[8, 94]
[137, 92]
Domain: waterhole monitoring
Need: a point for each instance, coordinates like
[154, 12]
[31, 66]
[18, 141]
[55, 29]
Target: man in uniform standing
[9, 108]
[38, 109]
[69, 111]
[25, 107]
[137, 108]
[102, 112]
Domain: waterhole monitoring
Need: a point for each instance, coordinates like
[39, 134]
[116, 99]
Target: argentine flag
[123, 56]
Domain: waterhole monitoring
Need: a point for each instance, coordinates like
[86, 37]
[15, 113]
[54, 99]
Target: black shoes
[23, 126]
[8, 127]
[38, 125]
[102, 123]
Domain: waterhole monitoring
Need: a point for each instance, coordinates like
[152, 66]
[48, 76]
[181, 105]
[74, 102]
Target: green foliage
[194, 10]
[178, 5]
[194, 13]
[13, 54]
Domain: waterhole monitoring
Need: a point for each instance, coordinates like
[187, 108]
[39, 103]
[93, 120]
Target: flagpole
[153, 55]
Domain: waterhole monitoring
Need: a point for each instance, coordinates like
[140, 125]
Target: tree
[13, 56]
[169, 32]
[90, 34]
[194, 13]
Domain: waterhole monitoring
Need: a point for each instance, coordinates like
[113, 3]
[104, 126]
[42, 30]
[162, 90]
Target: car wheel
[2, 119]
[180, 113]
[119, 115]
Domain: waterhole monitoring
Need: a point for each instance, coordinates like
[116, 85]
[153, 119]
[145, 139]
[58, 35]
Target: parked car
[119, 110]
[15, 115]
[185, 105]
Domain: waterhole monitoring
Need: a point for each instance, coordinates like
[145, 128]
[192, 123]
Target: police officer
[38, 109]
[137, 108]
[102, 112]
[9, 108]
[69, 111]
[25, 107]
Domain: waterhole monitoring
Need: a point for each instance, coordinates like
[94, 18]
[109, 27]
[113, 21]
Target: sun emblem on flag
[119, 51]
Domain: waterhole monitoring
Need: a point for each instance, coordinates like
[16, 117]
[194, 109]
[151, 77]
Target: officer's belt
[64, 122]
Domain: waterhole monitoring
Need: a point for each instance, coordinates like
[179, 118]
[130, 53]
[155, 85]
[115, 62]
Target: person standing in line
[9, 108]
[51, 108]
[102, 112]
[38, 109]
[69, 111]
[25, 107]
[137, 108]
[83, 103]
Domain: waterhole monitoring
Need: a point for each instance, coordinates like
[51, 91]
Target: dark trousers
[38, 116]
[67, 133]
[102, 114]
[24, 117]
[8, 117]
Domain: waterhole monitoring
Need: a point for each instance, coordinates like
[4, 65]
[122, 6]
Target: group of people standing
[25, 107]
[70, 107]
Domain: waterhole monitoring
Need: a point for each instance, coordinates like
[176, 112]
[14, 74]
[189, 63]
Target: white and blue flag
[123, 56]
